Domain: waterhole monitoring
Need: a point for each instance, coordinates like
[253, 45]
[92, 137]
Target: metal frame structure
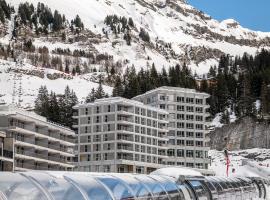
[41, 185]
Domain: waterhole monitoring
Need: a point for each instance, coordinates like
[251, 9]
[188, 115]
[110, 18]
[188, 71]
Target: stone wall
[246, 133]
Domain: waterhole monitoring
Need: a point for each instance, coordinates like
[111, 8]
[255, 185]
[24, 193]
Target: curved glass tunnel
[37, 185]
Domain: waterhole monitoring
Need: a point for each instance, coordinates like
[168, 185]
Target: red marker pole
[226, 153]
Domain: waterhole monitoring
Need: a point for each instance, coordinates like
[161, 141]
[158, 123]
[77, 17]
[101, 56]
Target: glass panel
[141, 192]
[93, 189]
[154, 186]
[119, 190]
[170, 187]
[58, 187]
[201, 192]
[14, 186]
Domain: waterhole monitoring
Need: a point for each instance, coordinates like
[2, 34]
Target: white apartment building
[188, 123]
[121, 135]
[38, 144]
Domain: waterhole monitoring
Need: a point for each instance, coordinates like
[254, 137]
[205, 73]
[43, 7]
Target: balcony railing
[46, 145]
[38, 167]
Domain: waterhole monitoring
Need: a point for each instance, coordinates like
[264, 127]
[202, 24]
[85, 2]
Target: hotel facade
[121, 135]
[188, 140]
[35, 142]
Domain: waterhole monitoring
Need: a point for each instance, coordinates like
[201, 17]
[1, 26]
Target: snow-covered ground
[162, 22]
[250, 162]
[30, 83]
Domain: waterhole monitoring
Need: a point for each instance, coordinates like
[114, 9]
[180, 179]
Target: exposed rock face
[243, 134]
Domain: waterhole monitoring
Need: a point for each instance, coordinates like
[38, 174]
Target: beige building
[38, 143]
[121, 135]
[188, 124]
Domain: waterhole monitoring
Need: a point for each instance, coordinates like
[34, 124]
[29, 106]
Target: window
[162, 106]
[171, 152]
[180, 153]
[199, 154]
[199, 143]
[181, 142]
[199, 101]
[190, 134]
[199, 126]
[109, 127]
[89, 138]
[105, 137]
[180, 164]
[199, 165]
[171, 142]
[189, 153]
[97, 119]
[88, 157]
[105, 156]
[199, 135]
[199, 118]
[199, 110]
[180, 116]
[190, 117]
[106, 118]
[86, 111]
[109, 108]
[98, 128]
[190, 109]
[180, 108]
[190, 143]
[190, 126]
[180, 125]
[180, 99]
[190, 100]
[85, 148]
[190, 165]
[180, 134]
[98, 110]
[89, 120]
[163, 98]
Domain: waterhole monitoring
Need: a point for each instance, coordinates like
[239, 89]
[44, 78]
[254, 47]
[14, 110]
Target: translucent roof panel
[137, 187]
[170, 186]
[154, 186]
[119, 188]
[58, 187]
[15, 186]
[89, 186]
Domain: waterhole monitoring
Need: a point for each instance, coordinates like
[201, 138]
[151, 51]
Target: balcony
[125, 138]
[6, 154]
[124, 147]
[32, 154]
[38, 167]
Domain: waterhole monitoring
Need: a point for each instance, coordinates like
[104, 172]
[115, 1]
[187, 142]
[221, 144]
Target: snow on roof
[173, 89]
[176, 172]
[112, 100]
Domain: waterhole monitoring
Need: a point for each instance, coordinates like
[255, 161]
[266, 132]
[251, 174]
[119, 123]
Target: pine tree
[91, 96]
[118, 89]
[42, 102]
[99, 94]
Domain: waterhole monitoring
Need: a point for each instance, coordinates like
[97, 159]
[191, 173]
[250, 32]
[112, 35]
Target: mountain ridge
[178, 33]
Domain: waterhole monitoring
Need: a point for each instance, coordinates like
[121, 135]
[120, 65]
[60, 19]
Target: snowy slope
[31, 83]
[194, 37]
[250, 162]
[173, 23]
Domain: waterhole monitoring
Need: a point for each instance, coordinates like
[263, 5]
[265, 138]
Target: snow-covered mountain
[179, 33]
